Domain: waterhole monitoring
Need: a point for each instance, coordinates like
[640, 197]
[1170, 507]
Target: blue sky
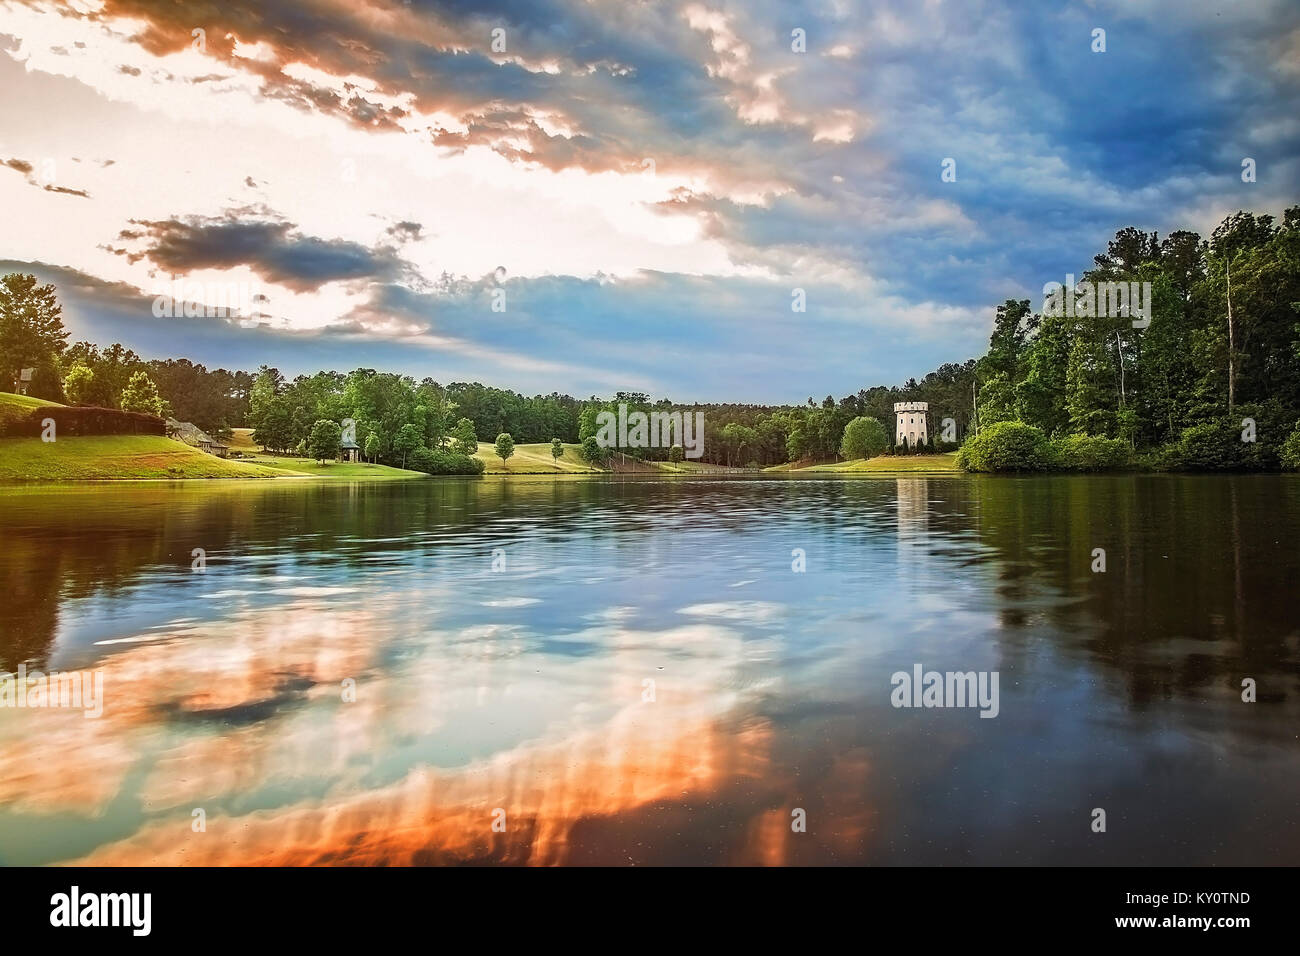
[638, 187]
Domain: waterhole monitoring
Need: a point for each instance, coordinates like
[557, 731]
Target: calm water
[524, 689]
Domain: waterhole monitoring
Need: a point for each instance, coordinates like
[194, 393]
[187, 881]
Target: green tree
[557, 451]
[463, 437]
[863, 438]
[324, 440]
[372, 446]
[675, 454]
[592, 451]
[408, 439]
[31, 327]
[1090, 395]
[265, 414]
[77, 384]
[141, 395]
[505, 446]
[587, 422]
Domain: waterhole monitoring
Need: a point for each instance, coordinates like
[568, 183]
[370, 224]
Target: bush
[1217, 445]
[1006, 446]
[1289, 453]
[442, 461]
[1089, 453]
[72, 421]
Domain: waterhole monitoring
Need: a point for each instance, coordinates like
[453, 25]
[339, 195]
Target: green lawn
[114, 457]
[882, 465]
[332, 469]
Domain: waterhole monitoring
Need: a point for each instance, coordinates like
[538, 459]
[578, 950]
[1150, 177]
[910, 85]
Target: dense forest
[1211, 379]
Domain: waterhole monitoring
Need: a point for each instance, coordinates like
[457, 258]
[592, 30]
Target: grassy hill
[241, 440]
[533, 459]
[114, 457]
[19, 406]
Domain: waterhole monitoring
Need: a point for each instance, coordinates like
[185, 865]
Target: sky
[584, 196]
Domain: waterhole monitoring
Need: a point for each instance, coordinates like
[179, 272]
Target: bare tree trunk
[1119, 354]
[1232, 367]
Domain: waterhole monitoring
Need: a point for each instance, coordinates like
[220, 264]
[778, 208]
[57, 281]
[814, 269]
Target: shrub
[1089, 453]
[71, 421]
[1290, 450]
[443, 461]
[422, 460]
[1006, 446]
[1217, 445]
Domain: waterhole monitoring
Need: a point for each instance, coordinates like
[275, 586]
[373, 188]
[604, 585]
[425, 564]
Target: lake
[640, 672]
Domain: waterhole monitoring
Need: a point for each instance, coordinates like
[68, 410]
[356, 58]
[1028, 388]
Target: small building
[349, 450]
[192, 435]
[25, 380]
[911, 430]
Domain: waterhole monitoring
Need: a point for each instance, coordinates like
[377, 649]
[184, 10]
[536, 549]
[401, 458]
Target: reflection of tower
[911, 423]
[913, 501]
[913, 516]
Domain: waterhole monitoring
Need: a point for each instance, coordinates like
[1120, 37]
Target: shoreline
[28, 484]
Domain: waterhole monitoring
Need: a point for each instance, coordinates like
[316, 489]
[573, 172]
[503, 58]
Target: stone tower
[911, 429]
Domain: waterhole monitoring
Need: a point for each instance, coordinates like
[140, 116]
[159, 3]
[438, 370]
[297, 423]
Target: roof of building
[190, 433]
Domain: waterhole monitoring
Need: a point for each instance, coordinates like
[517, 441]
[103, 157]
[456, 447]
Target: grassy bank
[114, 457]
[945, 464]
[332, 469]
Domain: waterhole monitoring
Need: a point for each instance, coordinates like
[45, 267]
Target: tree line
[1217, 355]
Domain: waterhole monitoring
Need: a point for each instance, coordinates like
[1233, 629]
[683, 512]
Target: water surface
[631, 672]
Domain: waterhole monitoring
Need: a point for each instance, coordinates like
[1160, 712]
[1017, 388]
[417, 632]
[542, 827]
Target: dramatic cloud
[654, 179]
[273, 249]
